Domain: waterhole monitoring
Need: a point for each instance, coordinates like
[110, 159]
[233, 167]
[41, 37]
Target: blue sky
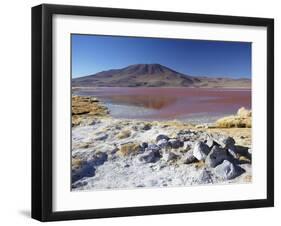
[95, 53]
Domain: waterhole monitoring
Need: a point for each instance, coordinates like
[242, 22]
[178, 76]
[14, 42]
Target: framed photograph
[145, 112]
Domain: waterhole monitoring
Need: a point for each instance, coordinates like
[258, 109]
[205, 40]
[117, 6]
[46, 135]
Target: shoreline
[110, 153]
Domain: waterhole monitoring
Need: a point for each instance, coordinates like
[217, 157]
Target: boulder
[98, 158]
[85, 170]
[227, 142]
[161, 137]
[216, 156]
[175, 143]
[224, 142]
[211, 142]
[148, 157]
[189, 157]
[227, 170]
[200, 150]
[153, 147]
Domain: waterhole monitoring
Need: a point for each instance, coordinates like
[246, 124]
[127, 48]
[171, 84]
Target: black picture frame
[42, 107]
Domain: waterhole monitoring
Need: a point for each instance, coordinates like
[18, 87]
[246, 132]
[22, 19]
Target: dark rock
[79, 184]
[242, 151]
[175, 143]
[147, 126]
[153, 147]
[99, 158]
[225, 142]
[148, 157]
[200, 150]
[144, 145]
[227, 170]
[216, 156]
[85, 170]
[161, 137]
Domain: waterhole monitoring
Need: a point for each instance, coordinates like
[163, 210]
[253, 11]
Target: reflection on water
[147, 101]
[170, 103]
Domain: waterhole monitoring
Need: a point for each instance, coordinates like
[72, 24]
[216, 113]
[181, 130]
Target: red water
[174, 103]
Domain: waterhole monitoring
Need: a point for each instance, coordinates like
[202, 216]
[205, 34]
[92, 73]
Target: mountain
[153, 75]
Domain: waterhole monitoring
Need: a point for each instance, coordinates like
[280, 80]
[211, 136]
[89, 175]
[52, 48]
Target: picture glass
[159, 112]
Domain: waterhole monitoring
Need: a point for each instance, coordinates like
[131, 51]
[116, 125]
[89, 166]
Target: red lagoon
[155, 103]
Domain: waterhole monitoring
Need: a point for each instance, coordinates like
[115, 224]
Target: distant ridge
[154, 75]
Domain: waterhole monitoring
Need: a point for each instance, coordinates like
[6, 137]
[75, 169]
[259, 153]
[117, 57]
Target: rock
[227, 142]
[99, 158]
[124, 134]
[161, 137]
[153, 147]
[148, 157]
[130, 148]
[216, 156]
[210, 142]
[224, 142]
[227, 170]
[168, 156]
[79, 184]
[144, 145]
[200, 150]
[103, 136]
[85, 170]
[163, 143]
[242, 151]
[147, 126]
[175, 143]
[189, 157]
